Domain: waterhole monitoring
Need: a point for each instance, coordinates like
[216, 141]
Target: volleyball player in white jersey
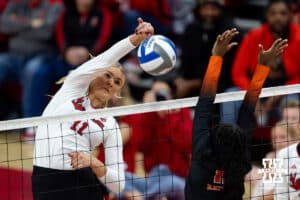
[63, 166]
[289, 188]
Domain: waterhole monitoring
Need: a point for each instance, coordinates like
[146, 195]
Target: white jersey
[290, 188]
[54, 141]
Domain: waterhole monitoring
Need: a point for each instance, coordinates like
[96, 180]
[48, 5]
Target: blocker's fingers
[276, 43]
[232, 45]
[279, 49]
[230, 36]
[283, 47]
[223, 35]
[283, 43]
[221, 38]
[234, 32]
[226, 34]
[279, 53]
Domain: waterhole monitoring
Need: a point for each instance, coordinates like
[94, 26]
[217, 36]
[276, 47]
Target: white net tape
[142, 108]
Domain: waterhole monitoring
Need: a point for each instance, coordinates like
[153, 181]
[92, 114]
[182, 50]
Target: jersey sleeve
[211, 78]
[204, 108]
[246, 118]
[78, 80]
[114, 178]
[104, 60]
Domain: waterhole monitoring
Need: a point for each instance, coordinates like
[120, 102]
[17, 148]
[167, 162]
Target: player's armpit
[211, 78]
[260, 75]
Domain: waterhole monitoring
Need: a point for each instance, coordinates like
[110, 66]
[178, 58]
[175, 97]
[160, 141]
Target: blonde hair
[126, 98]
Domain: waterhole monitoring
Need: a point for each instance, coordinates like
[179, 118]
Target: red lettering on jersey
[99, 123]
[214, 187]
[77, 103]
[74, 125]
[218, 178]
[81, 129]
[294, 181]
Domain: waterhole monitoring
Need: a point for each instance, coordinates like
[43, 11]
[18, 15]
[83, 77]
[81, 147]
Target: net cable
[142, 108]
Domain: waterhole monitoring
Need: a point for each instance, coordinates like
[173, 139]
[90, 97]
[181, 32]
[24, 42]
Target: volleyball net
[156, 146]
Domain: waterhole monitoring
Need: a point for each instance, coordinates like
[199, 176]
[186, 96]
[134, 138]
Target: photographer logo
[272, 171]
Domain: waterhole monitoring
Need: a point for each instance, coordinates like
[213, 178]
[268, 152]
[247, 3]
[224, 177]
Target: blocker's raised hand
[268, 57]
[223, 42]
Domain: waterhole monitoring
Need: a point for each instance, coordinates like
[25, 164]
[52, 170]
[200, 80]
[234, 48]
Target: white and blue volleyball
[157, 55]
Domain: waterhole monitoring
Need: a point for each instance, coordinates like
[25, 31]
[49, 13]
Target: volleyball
[157, 55]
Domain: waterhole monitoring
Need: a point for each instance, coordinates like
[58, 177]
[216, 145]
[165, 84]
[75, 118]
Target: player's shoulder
[110, 121]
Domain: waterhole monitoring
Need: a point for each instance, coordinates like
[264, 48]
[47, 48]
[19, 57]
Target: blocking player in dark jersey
[220, 154]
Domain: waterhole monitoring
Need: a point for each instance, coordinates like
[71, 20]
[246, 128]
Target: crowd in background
[41, 41]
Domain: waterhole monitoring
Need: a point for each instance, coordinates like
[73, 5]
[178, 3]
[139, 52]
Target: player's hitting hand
[268, 57]
[142, 31]
[223, 42]
[144, 28]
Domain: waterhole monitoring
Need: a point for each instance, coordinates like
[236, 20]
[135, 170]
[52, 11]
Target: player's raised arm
[222, 45]
[204, 109]
[77, 82]
[266, 60]
[123, 47]
[118, 50]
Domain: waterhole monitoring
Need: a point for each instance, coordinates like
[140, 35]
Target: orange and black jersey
[205, 179]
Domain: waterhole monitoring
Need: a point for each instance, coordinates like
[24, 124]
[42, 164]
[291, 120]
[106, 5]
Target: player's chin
[104, 94]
